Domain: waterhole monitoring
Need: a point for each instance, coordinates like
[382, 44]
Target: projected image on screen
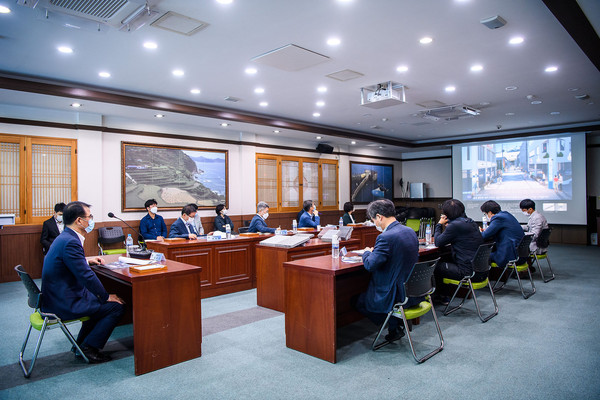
[539, 169]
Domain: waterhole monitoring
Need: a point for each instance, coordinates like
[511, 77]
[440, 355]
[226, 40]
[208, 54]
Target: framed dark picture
[370, 182]
[173, 176]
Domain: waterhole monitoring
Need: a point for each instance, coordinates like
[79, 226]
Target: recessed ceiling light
[536, 102]
[259, 90]
[333, 41]
[4, 10]
[450, 89]
[316, 114]
[276, 131]
[477, 68]
[224, 124]
[150, 45]
[509, 88]
[551, 68]
[195, 91]
[104, 74]
[321, 89]
[381, 147]
[484, 103]
[178, 72]
[320, 103]
[555, 113]
[353, 142]
[65, 49]
[76, 105]
[516, 40]
[225, 1]
[573, 89]
[509, 114]
[319, 138]
[402, 68]
[159, 115]
[425, 40]
[251, 71]
[263, 104]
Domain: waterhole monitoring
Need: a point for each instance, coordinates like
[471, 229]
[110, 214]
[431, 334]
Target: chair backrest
[543, 239]
[413, 224]
[34, 294]
[243, 229]
[110, 234]
[481, 260]
[523, 249]
[420, 281]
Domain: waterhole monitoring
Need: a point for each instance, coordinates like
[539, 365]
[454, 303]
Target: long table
[317, 301]
[164, 307]
[269, 267]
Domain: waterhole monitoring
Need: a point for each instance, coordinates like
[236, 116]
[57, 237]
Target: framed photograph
[370, 182]
[173, 176]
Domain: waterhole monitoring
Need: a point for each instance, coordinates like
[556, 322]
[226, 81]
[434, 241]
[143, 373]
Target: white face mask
[154, 210]
[59, 218]
[526, 213]
[225, 212]
[265, 215]
[380, 229]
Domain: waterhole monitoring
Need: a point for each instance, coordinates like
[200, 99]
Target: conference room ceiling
[545, 82]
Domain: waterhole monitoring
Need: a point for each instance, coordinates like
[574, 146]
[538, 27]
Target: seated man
[72, 290]
[460, 231]
[535, 223]
[258, 223]
[222, 219]
[390, 262]
[505, 230]
[52, 227]
[152, 226]
[310, 217]
[183, 227]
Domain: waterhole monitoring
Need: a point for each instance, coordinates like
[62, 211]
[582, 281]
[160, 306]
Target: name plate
[157, 257]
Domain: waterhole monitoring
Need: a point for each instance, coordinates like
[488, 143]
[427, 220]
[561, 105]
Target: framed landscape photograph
[173, 176]
[370, 182]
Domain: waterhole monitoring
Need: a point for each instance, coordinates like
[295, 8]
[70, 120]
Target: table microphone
[143, 250]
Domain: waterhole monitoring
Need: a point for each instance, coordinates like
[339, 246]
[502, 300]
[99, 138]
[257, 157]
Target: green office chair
[110, 235]
[480, 264]
[420, 283]
[543, 242]
[522, 254]
[42, 321]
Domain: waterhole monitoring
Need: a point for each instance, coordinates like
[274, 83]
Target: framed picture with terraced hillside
[174, 176]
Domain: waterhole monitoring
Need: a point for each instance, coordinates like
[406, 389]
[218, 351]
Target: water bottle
[484, 222]
[335, 247]
[295, 226]
[227, 231]
[341, 222]
[428, 234]
[129, 244]
[278, 230]
[201, 230]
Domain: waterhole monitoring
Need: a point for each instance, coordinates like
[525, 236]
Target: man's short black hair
[219, 208]
[307, 205]
[194, 205]
[527, 204]
[59, 207]
[382, 207]
[150, 203]
[453, 208]
[74, 210]
[348, 206]
[490, 206]
[187, 210]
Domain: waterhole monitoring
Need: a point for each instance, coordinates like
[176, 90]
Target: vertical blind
[9, 179]
[50, 177]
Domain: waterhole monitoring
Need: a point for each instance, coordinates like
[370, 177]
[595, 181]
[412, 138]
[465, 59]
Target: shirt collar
[81, 237]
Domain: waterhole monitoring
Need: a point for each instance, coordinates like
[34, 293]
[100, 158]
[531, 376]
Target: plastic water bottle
[428, 234]
[484, 222]
[295, 226]
[335, 247]
[278, 230]
[341, 222]
[129, 244]
[227, 231]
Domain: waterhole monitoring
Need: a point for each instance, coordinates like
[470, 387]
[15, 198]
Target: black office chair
[41, 321]
[480, 265]
[110, 235]
[543, 242]
[518, 265]
[243, 229]
[420, 283]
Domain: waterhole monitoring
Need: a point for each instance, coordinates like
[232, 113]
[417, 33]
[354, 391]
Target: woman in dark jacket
[348, 210]
[222, 219]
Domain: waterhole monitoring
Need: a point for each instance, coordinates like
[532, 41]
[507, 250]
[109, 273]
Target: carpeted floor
[545, 347]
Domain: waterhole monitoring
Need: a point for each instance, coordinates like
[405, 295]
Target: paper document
[134, 261]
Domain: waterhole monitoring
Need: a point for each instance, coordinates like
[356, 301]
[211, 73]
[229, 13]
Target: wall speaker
[324, 148]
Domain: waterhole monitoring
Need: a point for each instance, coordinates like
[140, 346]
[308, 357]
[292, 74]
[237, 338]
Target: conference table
[317, 301]
[165, 309]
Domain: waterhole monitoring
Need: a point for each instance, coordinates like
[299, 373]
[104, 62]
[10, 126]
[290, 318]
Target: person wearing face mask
[183, 227]
[222, 219]
[390, 262]
[152, 226]
[535, 223]
[52, 227]
[72, 290]
[310, 217]
[505, 230]
[348, 211]
[197, 220]
[258, 223]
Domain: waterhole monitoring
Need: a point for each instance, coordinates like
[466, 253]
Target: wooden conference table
[317, 301]
[164, 307]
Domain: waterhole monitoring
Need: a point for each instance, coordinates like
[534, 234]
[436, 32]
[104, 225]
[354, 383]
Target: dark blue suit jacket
[178, 229]
[306, 221]
[395, 253]
[258, 224]
[506, 231]
[70, 289]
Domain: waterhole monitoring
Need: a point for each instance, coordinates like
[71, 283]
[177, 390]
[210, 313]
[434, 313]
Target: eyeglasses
[88, 216]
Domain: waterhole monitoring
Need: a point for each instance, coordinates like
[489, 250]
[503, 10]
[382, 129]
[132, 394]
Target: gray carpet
[545, 347]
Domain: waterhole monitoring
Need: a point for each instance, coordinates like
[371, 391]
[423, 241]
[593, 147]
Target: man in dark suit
[72, 290]
[258, 223]
[310, 217]
[183, 227]
[52, 227]
[390, 262]
[505, 230]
